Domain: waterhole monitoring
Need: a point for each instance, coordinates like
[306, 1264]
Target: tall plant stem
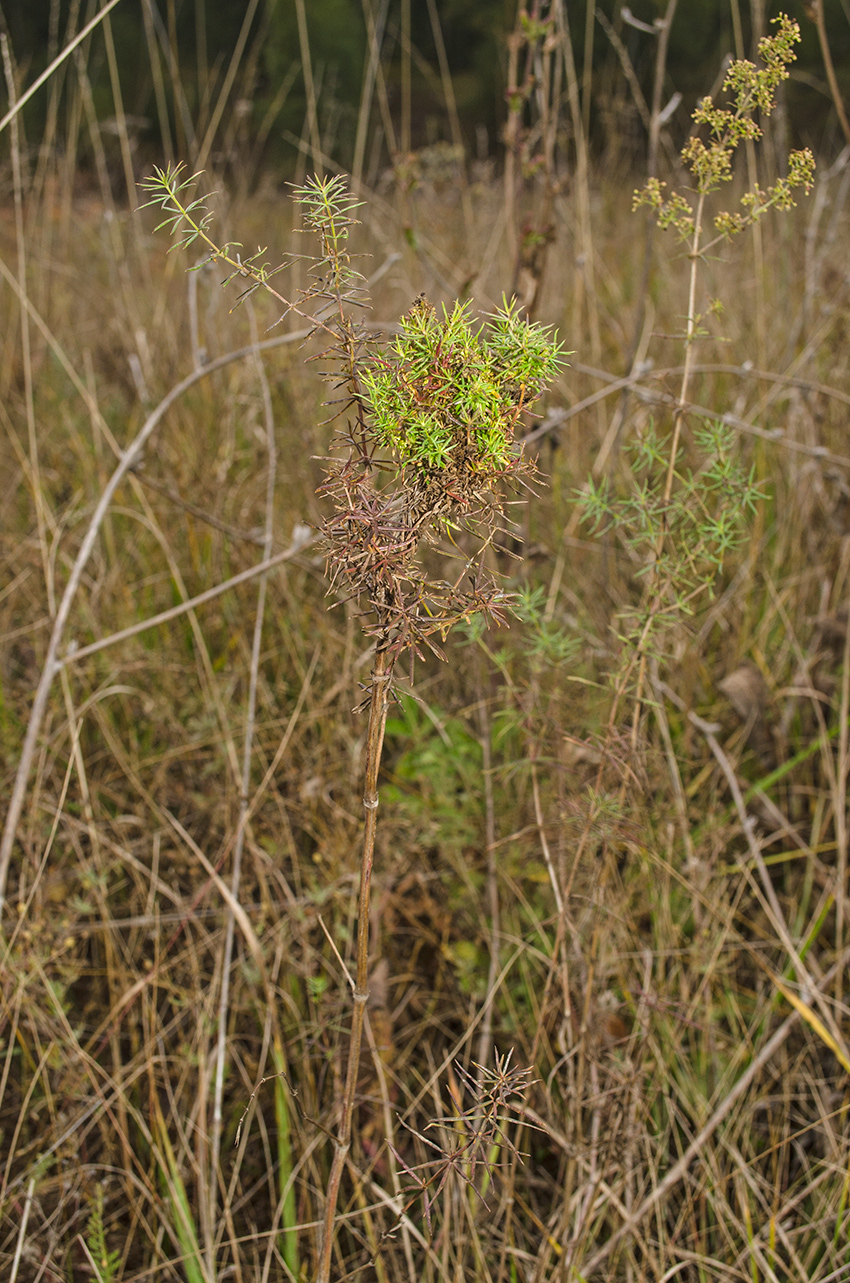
[655, 589]
[689, 349]
[381, 675]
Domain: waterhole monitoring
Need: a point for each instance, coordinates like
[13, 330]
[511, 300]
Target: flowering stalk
[724, 494]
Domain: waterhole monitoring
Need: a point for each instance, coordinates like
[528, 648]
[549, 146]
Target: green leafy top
[444, 399]
[449, 393]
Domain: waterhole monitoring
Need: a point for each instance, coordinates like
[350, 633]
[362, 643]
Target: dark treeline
[229, 80]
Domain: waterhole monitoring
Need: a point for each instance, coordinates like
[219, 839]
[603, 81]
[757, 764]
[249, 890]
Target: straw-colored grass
[650, 916]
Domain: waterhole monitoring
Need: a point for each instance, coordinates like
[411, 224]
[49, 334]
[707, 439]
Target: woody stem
[381, 676]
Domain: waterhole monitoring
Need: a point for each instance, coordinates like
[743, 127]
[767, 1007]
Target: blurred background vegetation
[172, 58]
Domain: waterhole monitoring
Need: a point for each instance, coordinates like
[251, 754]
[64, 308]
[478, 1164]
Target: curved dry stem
[236, 871]
[52, 663]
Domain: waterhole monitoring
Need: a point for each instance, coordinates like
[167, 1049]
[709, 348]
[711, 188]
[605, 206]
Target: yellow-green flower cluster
[749, 89]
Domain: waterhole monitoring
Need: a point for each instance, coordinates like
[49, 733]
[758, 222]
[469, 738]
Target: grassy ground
[646, 907]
